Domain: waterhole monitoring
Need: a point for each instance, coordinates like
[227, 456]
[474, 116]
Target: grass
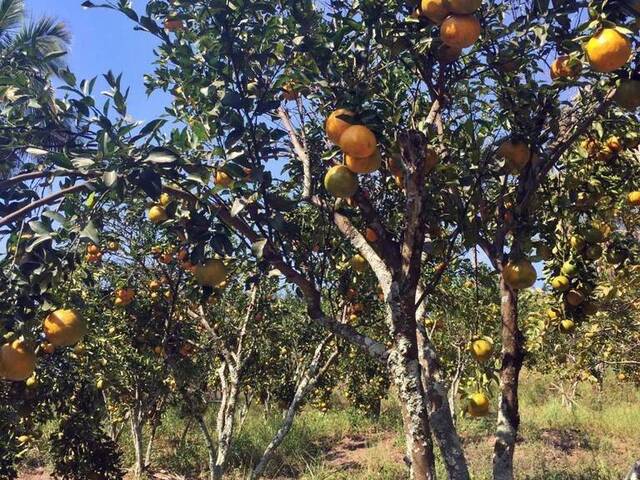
[596, 440]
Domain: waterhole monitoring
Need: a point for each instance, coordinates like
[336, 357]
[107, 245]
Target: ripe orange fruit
[223, 179]
[173, 24]
[64, 328]
[519, 274]
[447, 54]
[157, 214]
[335, 125]
[463, 7]
[478, 405]
[93, 249]
[340, 182]
[481, 349]
[211, 274]
[93, 258]
[165, 258]
[633, 198]
[371, 235]
[628, 94]
[608, 50]
[154, 285]
[363, 165]
[565, 67]
[516, 153]
[434, 10]
[17, 361]
[460, 31]
[358, 141]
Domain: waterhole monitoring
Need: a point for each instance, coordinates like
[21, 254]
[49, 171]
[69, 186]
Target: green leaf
[161, 155]
[152, 126]
[91, 200]
[55, 216]
[90, 232]
[39, 227]
[38, 240]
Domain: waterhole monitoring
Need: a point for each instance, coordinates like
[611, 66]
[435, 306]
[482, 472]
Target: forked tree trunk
[136, 437]
[406, 374]
[512, 357]
[226, 418]
[440, 416]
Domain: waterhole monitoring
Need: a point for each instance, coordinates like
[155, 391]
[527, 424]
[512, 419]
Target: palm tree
[30, 53]
[39, 44]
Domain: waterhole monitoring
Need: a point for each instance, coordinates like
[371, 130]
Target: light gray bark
[135, 420]
[440, 416]
[634, 473]
[438, 402]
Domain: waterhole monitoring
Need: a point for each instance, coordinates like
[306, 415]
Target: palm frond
[11, 15]
[42, 39]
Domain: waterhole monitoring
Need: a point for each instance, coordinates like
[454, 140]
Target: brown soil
[354, 452]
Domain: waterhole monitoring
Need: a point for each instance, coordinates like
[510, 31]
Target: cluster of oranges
[459, 28]
[361, 154]
[156, 288]
[62, 328]
[94, 252]
[606, 51]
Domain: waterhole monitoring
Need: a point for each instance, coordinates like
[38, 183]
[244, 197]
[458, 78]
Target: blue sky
[103, 40]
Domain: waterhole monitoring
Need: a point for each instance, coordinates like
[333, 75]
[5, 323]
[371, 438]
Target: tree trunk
[512, 358]
[306, 384]
[440, 416]
[226, 417]
[634, 473]
[406, 373]
[136, 437]
[211, 449]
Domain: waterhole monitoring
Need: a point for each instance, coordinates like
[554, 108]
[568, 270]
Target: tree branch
[21, 212]
[300, 151]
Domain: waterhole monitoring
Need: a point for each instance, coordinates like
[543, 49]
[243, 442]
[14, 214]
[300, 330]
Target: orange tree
[447, 111]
